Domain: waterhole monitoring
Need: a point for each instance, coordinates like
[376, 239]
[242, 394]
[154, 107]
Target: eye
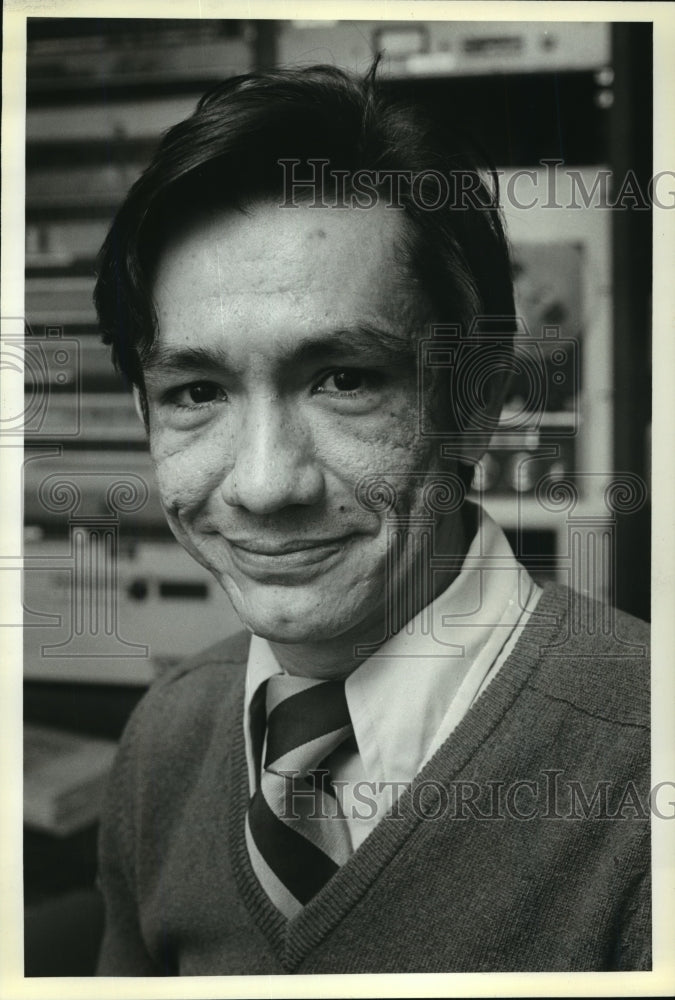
[345, 380]
[197, 394]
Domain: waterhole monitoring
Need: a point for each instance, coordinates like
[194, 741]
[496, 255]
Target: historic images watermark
[551, 795]
[552, 186]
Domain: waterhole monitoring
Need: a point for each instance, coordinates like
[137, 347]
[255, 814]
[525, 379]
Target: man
[397, 767]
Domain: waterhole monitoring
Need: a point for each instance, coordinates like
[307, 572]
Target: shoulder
[217, 664]
[590, 655]
[183, 706]
[187, 719]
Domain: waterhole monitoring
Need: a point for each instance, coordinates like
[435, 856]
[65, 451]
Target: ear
[479, 427]
[138, 405]
[141, 406]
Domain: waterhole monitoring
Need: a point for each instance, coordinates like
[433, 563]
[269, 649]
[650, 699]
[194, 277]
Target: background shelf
[100, 94]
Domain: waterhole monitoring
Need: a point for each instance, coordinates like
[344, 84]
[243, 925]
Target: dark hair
[228, 153]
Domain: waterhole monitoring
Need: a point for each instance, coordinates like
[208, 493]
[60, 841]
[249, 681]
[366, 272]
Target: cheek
[187, 472]
[389, 451]
[382, 442]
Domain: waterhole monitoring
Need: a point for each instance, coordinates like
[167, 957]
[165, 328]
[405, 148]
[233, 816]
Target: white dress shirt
[408, 697]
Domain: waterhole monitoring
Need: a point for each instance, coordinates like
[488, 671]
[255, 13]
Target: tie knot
[306, 721]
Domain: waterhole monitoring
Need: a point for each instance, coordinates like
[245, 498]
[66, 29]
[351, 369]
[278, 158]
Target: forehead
[291, 267]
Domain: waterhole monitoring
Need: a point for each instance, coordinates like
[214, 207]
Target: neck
[340, 655]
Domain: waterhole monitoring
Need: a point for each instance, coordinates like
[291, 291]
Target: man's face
[284, 373]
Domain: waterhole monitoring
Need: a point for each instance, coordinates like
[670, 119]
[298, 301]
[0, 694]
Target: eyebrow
[366, 343]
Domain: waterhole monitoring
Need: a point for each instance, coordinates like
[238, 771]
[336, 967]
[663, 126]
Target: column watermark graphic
[69, 559]
[92, 563]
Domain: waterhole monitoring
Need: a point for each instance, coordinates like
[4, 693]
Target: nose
[275, 463]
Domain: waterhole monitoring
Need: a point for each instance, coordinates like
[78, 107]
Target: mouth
[270, 560]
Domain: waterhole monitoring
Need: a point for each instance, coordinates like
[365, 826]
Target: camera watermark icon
[38, 369]
[463, 370]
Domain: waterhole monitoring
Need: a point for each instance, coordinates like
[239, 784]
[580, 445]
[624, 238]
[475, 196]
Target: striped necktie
[296, 834]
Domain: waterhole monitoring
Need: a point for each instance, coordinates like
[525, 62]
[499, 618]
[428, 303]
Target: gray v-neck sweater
[523, 845]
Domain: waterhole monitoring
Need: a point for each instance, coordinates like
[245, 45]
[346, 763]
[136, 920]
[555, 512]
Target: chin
[289, 634]
[299, 614]
[293, 622]
[289, 628]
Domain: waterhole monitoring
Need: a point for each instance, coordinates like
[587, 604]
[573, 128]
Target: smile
[267, 561]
